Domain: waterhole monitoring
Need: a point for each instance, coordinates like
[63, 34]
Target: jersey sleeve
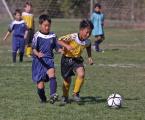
[35, 41]
[92, 18]
[65, 38]
[11, 27]
[103, 17]
[57, 46]
[88, 43]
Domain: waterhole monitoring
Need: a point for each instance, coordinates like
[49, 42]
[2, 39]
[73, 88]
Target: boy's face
[28, 8]
[18, 16]
[85, 33]
[97, 9]
[45, 27]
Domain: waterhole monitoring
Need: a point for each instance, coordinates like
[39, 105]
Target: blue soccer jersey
[44, 44]
[18, 28]
[97, 20]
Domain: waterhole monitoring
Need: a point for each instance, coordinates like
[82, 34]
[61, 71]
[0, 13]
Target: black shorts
[69, 65]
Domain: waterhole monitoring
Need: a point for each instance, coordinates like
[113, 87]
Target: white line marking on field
[95, 65]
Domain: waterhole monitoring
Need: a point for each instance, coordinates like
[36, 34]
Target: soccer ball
[115, 101]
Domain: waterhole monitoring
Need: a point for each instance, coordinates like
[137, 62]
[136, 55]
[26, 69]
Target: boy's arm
[38, 54]
[35, 48]
[26, 34]
[6, 36]
[10, 29]
[92, 17]
[89, 55]
[65, 44]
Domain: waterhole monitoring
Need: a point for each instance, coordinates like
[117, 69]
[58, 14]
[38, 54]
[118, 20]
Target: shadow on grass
[131, 98]
[113, 49]
[91, 100]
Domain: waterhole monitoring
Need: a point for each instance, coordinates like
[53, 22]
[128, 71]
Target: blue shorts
[18, 43]
[40, 66]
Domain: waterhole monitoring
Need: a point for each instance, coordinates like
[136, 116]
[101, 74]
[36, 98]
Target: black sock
[14, 56]
[21, 56]
[41, 93]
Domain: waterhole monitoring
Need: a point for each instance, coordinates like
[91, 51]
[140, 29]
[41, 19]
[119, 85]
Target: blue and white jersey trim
[39, 34]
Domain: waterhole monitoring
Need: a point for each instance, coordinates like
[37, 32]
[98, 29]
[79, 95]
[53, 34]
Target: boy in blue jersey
[19, 29]
[97, 19]
[43, 69]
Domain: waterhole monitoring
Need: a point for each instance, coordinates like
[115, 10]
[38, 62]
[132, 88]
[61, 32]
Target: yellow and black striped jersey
[78, 45]
[29, 19]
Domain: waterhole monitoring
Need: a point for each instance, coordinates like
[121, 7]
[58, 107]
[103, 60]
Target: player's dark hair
[43, 18]
[17, 11]
[97, 5]
[86, 23]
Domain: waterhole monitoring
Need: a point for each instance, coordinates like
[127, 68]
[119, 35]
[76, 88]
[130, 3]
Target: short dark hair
[17, 11]
[28, 3]
[97, 5]
[86, 23]
[43, 18]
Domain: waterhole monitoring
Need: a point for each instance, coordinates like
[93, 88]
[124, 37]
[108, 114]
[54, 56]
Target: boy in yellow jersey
[29, 20]
[72, 62]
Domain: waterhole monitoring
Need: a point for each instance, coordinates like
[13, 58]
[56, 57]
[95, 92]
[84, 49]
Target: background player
[97, 19]
[19, 29]
[28, 17]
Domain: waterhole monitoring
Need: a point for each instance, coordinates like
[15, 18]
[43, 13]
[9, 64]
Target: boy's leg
[66, 86]
[14, 49]
[99, 40]
[78, 83]
[53, 85]
[21, 56]
[41, 91]
[29, 50]
[52, 79]
[22, 49]
[29, 42]
[14, 54]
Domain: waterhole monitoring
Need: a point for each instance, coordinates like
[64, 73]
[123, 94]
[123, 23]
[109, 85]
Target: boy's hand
[4, 39]
[25, 37]
[90, 61]
[40, 55]
[68, 47]
[61, 51]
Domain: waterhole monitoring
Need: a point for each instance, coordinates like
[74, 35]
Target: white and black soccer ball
[115, 101]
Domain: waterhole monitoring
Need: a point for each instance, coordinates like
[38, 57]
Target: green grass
[120, 69]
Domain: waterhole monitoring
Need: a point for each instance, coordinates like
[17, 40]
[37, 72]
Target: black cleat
[53, 98]
[64, 101]
[76, 97]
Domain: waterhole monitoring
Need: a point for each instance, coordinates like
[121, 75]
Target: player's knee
[81, 75]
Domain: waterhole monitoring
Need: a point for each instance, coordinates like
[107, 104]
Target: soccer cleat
[53, 98]
[64, 101]
[93, 47]
[100, 50]
[29, 56]
[43, 100]
[76, 97]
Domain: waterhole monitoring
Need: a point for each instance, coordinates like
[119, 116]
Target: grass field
[120, 69]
